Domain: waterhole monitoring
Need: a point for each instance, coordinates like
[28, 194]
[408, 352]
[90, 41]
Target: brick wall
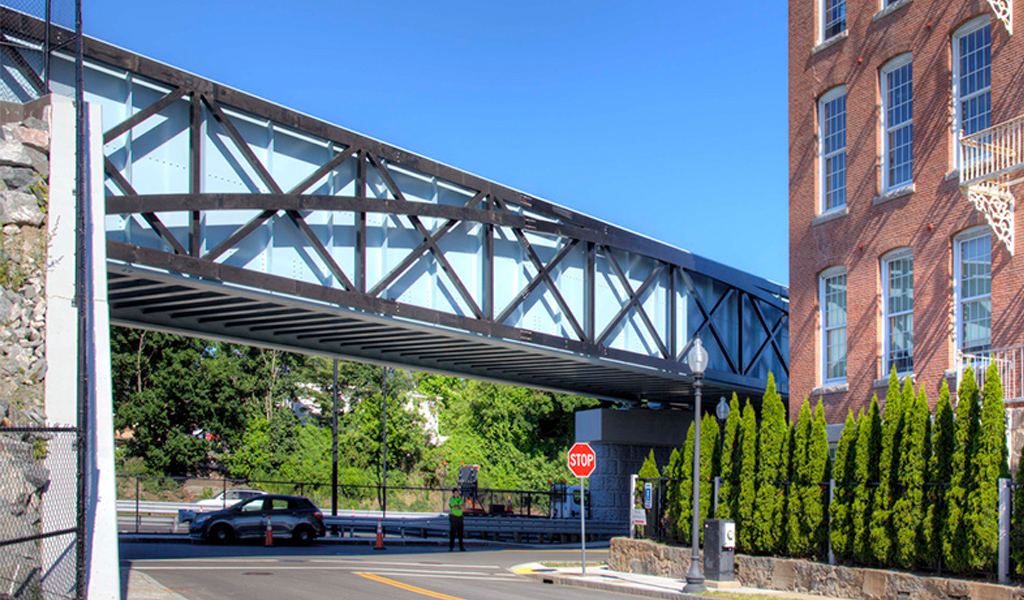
[925, 220]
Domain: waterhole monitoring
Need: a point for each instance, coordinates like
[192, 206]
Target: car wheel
[221, 534]
[303, 535]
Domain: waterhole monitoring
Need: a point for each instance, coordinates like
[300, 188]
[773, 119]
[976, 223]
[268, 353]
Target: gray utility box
[719, 549]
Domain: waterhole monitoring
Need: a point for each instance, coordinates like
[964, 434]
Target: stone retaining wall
[24, 173]
[650, 558]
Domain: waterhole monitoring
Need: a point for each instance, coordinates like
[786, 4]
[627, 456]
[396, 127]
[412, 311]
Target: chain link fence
[38, 524]
[32, 34]
[42, 468]
[150, 504]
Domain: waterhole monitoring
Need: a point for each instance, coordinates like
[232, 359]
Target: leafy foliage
[841, 533]
[771, 460]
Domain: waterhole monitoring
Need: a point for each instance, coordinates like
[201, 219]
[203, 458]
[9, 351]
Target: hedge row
[911, 489]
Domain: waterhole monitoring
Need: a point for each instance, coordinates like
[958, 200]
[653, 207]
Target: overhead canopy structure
[230, 217]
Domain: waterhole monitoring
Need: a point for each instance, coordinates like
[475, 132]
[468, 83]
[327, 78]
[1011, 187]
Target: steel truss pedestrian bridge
[234, 218]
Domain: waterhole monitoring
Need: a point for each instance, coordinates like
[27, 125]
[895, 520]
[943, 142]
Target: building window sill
[888, 10]
[881, 383]
[832, 388]
[833, 214]
[894, 194]
[832, 41]
[954, 174]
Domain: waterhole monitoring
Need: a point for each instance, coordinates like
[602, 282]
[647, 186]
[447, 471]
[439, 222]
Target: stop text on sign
[582, 460]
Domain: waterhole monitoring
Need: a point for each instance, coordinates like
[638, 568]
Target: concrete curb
[607, 586]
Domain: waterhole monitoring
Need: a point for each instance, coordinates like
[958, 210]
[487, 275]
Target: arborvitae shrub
[881, 517]
[956, 542]
[842, 503]
[708, 449]
[869, 449]
[940, 467]
[908, 510]
[686, 489]
[649, 470]
[797, 538]
[678, 478]
[990, 465]
[768, 508]
[728, 501]
[745, 530]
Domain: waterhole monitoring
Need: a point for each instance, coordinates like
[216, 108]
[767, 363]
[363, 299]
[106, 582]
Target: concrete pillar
[62, 348]
[622, 439]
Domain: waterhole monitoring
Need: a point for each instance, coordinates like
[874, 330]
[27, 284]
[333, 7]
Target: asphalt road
[202, 572]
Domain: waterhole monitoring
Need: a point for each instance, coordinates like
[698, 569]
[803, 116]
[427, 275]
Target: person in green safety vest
[455, 524]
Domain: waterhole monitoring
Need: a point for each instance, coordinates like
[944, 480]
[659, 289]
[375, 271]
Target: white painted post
[632, 504]
[1004, 531]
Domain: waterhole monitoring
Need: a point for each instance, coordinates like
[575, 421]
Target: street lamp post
[698, 359]
[384, 444]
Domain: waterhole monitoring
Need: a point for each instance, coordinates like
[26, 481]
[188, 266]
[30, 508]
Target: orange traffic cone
[269, 541]
[380, 538]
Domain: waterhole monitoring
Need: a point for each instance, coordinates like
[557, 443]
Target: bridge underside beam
[269, 320]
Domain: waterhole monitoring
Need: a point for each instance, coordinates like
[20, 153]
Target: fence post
[828, 511]
[137, 517]
[632, 504]
[714, 496]
[1004, 531]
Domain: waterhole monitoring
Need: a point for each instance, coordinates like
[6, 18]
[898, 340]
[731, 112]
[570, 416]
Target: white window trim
[892, 65]
[967, 29]
[822, 172]
[823, 328]
[886, 259]
[958, 300]
[822, 10]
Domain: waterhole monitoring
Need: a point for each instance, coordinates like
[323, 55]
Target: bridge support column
[62, 347]
[622, 439]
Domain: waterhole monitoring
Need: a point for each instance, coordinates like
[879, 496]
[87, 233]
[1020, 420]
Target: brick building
[900, 113]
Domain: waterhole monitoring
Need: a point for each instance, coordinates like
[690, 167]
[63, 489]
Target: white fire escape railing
[990, 159]
[1009, 362]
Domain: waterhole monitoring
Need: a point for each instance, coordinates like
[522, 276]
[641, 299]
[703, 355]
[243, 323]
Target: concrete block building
[906, 146]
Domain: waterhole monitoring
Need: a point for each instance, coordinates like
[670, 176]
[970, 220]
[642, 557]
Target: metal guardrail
[162, 518]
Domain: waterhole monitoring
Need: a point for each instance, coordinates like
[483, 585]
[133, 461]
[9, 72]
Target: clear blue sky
[667, 118]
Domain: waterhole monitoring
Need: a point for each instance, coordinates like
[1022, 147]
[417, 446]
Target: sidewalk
[602, 578]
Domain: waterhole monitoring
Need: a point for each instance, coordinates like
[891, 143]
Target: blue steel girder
[235, 218]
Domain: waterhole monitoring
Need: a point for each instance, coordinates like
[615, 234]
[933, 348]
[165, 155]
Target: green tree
[729, 493]
[844, 474]
[982, 512]
[747, 480]
[798, 539]
[818, 469]
[648, 474]
[1017, 526]
[887, 491]
[678, 476]
[908, 510]
[685, 519]
[940, 465]
[956, 542]
[708, 468]
[768, 522]
[869, 449]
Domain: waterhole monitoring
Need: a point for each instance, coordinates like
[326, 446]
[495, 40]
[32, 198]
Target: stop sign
[582, 460]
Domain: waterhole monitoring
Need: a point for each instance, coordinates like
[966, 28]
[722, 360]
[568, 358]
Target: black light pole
[334, 446]
[384, 450]
[698, 359]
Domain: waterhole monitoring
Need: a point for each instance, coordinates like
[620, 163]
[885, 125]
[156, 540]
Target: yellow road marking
[407, 587]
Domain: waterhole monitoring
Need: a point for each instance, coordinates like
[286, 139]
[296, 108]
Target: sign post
[582, 462]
